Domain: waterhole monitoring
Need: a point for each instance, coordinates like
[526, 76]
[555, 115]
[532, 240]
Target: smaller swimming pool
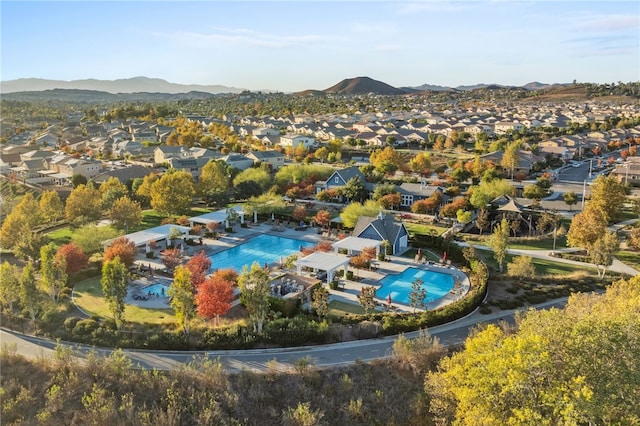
[399, 286]
[157, 289]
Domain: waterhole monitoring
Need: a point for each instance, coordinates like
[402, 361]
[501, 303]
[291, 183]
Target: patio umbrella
[389, 299]
[444, 256]
[419, 252]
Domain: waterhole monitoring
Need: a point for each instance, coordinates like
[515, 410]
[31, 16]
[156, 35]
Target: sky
[296, 45]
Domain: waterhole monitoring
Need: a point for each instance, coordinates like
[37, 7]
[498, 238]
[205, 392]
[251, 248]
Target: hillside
[126, 85]
[95, 96]
[363, 85]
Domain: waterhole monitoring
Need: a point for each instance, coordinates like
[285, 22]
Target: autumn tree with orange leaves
[123, 248]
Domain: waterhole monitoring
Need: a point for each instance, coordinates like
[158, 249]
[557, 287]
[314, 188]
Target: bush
[349, 275]
[333, 285]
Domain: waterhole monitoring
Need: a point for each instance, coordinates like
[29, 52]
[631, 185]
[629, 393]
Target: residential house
[383, 228]
[237, 161]
[412, 192]
[502, 127]
[297, 140]
[629, 171]
[125, 174]
[275, 159]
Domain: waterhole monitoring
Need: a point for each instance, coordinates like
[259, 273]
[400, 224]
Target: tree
[533, 192]
[499, 242]
[122, 248]
[587, 227]
[114, 287]
[171, 258]
[353, 211]
[320, 301]
[89, 238]
[74, 258]
[112, 189]
[464, 216]
[489, 190]
[84, 205]
[367, 298]
[125, 213]
[22, 219]
[214, 178]
[143, 189]
[558, 367]
[173, 193]
[354, 190]
[182, 298]
[29, 295]
[608, 195]
[214, 297]
[387, 157]
[521, 267]
[390, 201]
[77, 179]
[634, 238]
[322, 218]
[510, 157]
[51, 207]
[603, 251]
[9, 285]
[417, 294]
[255, 290]
[421, 163]
[570, 198]
[247, 189]
[482, 220]
[198, 266]
[299, 213]
[53, 272]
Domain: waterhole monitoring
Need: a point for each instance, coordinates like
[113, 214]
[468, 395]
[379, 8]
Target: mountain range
[358, 85]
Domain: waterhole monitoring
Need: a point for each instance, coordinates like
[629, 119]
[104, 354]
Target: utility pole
[584, 193]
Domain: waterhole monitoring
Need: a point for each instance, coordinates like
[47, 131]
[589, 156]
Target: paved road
[281, 358]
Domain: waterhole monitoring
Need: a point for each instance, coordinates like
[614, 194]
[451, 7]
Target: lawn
[88, 296]
[61, 236]
[151, 218]
[631, 258]
[339, 308]
[421, 229]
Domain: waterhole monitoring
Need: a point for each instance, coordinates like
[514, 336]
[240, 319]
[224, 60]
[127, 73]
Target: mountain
[430, 87]
[362, 85]
[127, 85]
[94, 96]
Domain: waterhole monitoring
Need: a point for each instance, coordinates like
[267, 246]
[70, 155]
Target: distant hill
[95, 96]
[362, 85]
[429, 87]
[127, 85]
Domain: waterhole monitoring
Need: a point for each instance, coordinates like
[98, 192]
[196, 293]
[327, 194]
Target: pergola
[155, 234]
[324, 262]
[218, 216]
[356, 244]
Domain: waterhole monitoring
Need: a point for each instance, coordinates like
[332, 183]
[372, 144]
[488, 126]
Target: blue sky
[291, 46]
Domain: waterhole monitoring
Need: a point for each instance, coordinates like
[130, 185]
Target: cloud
[609, 23]
[374, 28]
[602, 45]
[247, 37]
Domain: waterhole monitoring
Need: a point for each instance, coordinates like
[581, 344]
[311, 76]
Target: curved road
[262, 360]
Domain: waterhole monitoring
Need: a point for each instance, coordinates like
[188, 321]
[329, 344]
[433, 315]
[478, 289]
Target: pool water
[262, 249]
[399, 286]
[157, 288]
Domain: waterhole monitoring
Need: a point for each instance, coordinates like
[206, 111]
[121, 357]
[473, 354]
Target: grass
[338, 308]
[540, 244]
[631, 258]
[421, 229]
[151, 218]
[61, 236]
[88, 296]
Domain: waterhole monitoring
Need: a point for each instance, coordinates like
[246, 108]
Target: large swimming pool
[262, 249]
[399, 286]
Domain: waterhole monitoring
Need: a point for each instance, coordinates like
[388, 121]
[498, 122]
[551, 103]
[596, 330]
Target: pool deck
[394, 265]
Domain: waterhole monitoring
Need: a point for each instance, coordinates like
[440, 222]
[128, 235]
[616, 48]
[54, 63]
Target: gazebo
[356, 244]
[218, 216]
[324, 262]
[158, 233]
